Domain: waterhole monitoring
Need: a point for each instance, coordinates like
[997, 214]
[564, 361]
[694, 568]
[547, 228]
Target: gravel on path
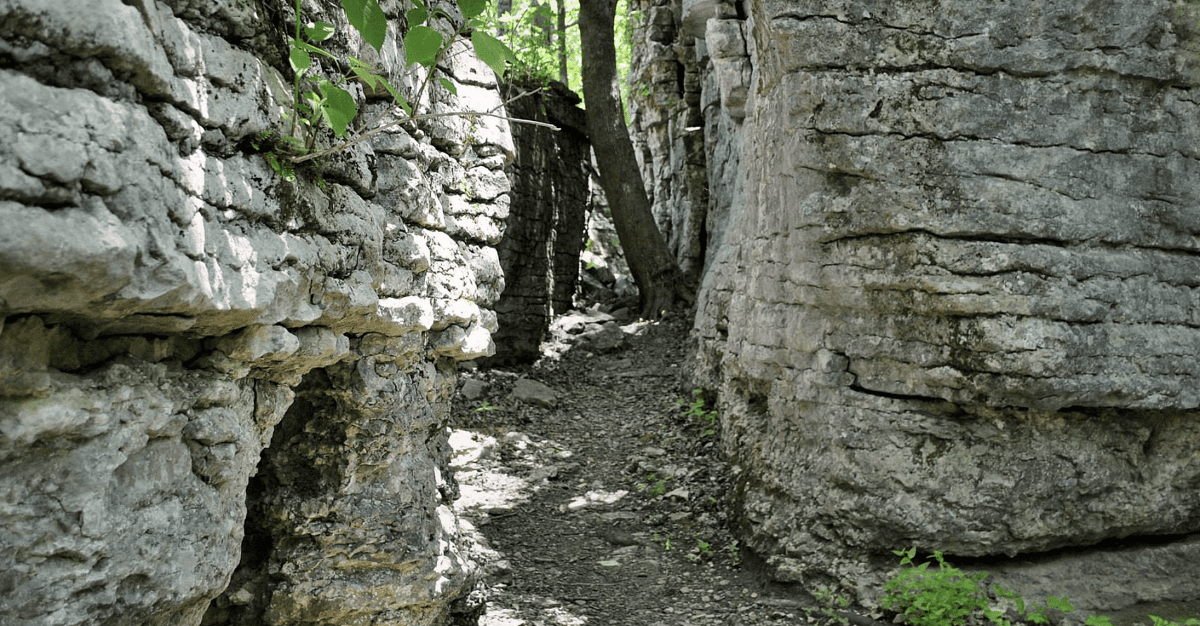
[599, 497]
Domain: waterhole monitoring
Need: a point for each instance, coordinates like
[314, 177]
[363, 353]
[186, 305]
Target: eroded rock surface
[544, 231]
[956, 305]
[171, 307]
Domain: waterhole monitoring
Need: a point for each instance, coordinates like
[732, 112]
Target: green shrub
[942, 596]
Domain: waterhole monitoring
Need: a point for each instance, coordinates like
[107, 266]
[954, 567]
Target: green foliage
[734, 553]
[946, 596]
[320, 101]
[532, 30]
[706, 419]
[1158, 621]
[702, 551]
[656, 485]
[942, 596]
[830, 605]
[485, 407]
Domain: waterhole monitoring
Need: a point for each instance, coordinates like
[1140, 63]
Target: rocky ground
[595, 485]
[593, 490]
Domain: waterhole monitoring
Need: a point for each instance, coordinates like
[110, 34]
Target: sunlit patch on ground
[489, 487]
[596, 497]
[552, 616]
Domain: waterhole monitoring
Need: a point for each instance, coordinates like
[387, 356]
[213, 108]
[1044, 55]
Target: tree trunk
[660, 282]
[562, 44]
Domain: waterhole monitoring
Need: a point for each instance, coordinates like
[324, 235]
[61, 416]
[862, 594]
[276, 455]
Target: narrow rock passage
[600, 500]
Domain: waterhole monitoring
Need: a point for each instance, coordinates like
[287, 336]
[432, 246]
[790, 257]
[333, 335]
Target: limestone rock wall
[176, 318]
[956, 305]
[544, 233]
[688, 89]
[667, 128]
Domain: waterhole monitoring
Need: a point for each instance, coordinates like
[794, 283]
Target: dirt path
[607, 507]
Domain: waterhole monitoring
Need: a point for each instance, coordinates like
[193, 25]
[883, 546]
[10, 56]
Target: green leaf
[472, 8]
[491, 51]
[365, 75]
[299, 59]
[450, 86]
[418, 15]
[319, 31]
[421, 45]
[395, 94]
[367, 17]
[307, 47]
[337, 108]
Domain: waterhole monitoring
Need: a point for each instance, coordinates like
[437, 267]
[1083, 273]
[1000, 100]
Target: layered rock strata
[957, 303]
[666, 121]
[545, 230]
[171, 307]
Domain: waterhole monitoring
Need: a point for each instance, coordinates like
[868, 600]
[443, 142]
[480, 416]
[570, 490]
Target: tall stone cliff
[212, 380]
[955, 302]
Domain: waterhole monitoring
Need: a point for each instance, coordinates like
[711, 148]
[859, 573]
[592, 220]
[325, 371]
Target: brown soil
[610, 507]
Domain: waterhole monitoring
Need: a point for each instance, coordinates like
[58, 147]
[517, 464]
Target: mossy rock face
[955, 305]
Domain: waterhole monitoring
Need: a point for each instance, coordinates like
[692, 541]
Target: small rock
[534, 392]
[618, 537]
[473, 389]
[607, 338]
[241, 596]
[680, 493]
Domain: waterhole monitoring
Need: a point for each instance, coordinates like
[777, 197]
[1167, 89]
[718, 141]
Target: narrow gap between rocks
[593, 497]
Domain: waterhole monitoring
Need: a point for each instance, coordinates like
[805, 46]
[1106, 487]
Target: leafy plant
[706, 419]
[1158, 621]
[946, 596]
[656, 485]
[734, 553]
[484, 407]
[702, 552]
[830, 605]
[319, 101]
[940, 596]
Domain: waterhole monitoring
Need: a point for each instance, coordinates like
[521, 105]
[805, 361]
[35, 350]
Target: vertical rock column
[545, 227]
[667, 125]
[957, 305]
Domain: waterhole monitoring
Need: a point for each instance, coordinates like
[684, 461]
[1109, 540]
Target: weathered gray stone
[954, 303]
[667, 114]
[605, 337]
[473, 389]
[534, 392]
[167, 301]
[544, 228]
